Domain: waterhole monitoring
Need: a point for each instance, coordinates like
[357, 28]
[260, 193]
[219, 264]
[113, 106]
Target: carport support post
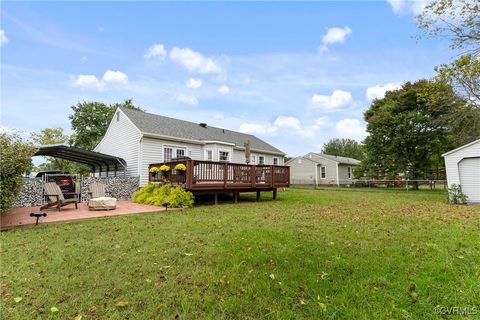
[258, 195]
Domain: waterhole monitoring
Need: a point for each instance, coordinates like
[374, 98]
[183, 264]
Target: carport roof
[91, 158]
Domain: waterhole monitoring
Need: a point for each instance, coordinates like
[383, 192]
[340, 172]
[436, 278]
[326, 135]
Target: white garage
[463, 168]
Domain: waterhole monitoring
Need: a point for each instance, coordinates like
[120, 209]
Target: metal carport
[98, 162]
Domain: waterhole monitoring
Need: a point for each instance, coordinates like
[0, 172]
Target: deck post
[225, 175]
[258, 195]
[253, 175]
[215, 198]
[235, 197]
[272, 177]
[275, 194]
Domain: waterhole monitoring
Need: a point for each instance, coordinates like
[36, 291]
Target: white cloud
[218, 116]
[254, 128]
[224, 89]
[88, 81]
[3, 38]
[334, 35]
[350, 128]
[194, 61]
[378, 92]
[91, 81]
[287, 123]
[156, 51]
[322, 123]
[407, 6]
[115, 76]
[338, 99]
[193, 83]
[191, 100]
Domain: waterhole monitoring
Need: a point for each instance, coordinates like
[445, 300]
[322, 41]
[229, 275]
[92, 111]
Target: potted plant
[181, 168]
[164, 168]
[153, 171]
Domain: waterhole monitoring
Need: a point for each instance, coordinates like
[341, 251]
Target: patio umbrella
[247, 151]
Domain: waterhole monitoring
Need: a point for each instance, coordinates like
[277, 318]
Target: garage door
[470, 178]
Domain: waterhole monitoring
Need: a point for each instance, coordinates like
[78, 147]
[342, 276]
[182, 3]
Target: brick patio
[17, 217]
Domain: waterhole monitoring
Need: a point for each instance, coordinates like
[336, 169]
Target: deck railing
[206, 175]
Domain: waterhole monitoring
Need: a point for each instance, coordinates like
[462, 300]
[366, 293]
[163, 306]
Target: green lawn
[334, 254]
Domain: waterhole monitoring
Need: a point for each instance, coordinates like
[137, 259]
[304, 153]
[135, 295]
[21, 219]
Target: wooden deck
[210, 177]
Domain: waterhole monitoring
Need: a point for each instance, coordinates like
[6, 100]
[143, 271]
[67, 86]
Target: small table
[102, 203]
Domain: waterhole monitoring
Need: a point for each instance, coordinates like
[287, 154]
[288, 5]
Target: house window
[223, 156]
[180, 153]
[275, 161]
[261, 160]
[254, 160]
[167, 154]
[349, 172]
[323, 172]
[209, 155]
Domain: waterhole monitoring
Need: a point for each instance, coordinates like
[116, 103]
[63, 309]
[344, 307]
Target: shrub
[456, 195]
[157, 195]
[15, 160]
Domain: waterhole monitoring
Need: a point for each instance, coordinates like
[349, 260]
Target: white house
[142, 138]
[317, 168]
[463, 168]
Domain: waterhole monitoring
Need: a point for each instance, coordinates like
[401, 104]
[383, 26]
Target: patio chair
[56, 198]
[97, 190]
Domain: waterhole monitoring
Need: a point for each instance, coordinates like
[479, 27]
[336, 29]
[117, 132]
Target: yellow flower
[154, 170]
[181, 167]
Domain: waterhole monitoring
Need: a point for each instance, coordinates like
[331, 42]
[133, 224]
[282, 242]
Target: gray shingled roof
[149, 123]
[343, 160]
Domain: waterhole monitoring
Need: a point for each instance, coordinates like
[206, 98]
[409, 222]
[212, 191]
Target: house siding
[454, 162]
[122, 140]
[152, 152]
[331, 169]
[302, 171]
[343, 173]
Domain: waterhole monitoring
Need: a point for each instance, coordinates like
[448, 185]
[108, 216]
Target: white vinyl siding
[122, 140]
[152, 152]
[461, 170]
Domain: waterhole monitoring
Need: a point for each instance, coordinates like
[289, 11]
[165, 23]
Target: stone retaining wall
[121, 188]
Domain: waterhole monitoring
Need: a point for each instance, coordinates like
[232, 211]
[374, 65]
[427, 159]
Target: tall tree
[15, 160]
[344, 148]
[459, 21]
[409, 129]
[90, 121]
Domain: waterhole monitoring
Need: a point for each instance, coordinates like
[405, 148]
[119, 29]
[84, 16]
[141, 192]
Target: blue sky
[294, 74]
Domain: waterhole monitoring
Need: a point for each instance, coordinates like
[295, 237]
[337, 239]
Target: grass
[333, 254]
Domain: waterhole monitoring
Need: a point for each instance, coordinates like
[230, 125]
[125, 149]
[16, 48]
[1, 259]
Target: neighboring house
[317, 168]
[463, 168]
[142, 138]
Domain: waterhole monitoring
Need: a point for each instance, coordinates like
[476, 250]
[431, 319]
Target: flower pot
[180, 172]
[154, 174]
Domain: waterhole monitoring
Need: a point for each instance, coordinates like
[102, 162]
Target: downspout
[316, 175]
[140, 159]
[338, 177]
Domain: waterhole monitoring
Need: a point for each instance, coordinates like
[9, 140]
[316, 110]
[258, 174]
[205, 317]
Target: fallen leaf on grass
[17, 299]
[122, 304]
[302, 302]
[189, 254]
[53, 309]
[272, 276]
[323, 307]
[79, 317]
